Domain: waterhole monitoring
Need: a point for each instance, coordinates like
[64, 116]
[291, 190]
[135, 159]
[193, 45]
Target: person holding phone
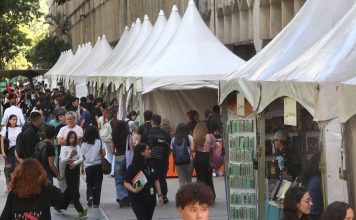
[142, 182]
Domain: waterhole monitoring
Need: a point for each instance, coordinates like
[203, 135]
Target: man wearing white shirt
[71, 118]
[13, 110]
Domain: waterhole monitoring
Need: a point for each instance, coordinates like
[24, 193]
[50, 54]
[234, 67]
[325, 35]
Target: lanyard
[147, 171]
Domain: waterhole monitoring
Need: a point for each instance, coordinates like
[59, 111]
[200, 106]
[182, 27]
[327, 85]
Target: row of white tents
[180, 56]
[176, 65]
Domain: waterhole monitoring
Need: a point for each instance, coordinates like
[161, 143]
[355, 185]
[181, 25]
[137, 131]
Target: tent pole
[261, 123]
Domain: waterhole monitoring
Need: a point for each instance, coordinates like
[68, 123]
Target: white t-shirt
[91, 153]
[65, 154]
[13, 110]
[63, 132]
[12, 134]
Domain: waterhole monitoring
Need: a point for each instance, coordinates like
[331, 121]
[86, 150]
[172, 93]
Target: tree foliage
[13, 14]
[61, 26]
[47, 51]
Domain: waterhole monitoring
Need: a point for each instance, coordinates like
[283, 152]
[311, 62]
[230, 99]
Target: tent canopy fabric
[144, 51]
[298, 36]
[170, 29]
[81, 54]
[65, 58]
[312, 79]
[99, 76]
[115, 72]
[124, 37]
[101, 51]
[194, 58]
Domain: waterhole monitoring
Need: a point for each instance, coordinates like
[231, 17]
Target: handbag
[128, 153]
[6, 141]
[105, 164]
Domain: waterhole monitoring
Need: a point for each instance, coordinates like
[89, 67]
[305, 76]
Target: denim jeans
[185, 173]
[119, 174]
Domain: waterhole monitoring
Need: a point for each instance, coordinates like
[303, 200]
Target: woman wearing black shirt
[143, 198]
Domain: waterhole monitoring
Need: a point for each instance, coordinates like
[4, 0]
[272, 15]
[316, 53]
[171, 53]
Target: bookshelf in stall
[241, 174]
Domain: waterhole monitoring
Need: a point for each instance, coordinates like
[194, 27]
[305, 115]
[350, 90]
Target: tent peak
[138, 20]
[146, 17]
[104, 36]
[126, 27]
[191, 2]
[161, 13]
[98, 38]
[174, 8]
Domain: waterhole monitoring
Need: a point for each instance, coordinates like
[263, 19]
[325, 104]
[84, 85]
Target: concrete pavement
[109, 208]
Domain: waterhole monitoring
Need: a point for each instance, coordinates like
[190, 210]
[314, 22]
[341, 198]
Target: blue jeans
[119, 174]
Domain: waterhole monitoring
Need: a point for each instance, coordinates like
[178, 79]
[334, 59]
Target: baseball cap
[281, 135]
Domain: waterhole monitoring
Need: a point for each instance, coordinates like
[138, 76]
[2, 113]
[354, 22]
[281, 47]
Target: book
[139, 180]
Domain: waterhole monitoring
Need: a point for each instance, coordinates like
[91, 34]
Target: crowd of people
[69, 136]
[49, 135]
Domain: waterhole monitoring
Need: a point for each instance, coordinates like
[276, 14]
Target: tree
[13, 14]
[47, 51]
[61, 26]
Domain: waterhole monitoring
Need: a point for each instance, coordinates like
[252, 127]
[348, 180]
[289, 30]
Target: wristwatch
[159, 195]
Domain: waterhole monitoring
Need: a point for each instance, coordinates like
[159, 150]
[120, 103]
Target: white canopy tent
[99, 76]
[189, 67]
[120, 74]
[299, 35]
[310, 78]
[113, 73]
[81, 54]
[62, 61]
[124, 37]
[146, 60]
[101, 51]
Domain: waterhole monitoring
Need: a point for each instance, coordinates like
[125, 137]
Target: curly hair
[28, 179]
[192, 193]
[199, 134]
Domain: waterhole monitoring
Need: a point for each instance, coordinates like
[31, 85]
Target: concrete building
[245, 26]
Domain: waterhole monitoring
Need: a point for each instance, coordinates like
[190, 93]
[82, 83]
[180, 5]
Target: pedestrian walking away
[92, 150]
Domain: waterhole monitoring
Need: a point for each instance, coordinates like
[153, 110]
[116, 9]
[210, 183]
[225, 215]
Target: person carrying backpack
[45, 153]
[27, 140]
[158, 141]
[181, 146]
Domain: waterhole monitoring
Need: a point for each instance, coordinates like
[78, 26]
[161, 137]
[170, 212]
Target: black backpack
[181, 154]
[40, 153]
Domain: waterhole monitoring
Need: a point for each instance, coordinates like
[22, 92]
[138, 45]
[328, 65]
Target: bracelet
[159, 195]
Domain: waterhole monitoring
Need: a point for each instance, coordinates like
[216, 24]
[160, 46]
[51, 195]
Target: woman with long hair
[9, 134]
[121, 141]
[338, 211]
[142, 182]
[72, 157]
[297, 204]
[30, 194]
[182, 146]
[203, 144]
[92, 149]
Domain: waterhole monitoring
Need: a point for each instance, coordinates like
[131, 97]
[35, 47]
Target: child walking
[72, 157]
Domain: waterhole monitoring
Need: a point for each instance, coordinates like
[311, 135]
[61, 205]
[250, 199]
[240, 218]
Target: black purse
[6, 141]
[105, 164]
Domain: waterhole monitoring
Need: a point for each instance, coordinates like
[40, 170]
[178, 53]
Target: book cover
[139, 180]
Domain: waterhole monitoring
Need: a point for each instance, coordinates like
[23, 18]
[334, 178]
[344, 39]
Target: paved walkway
[109, 208]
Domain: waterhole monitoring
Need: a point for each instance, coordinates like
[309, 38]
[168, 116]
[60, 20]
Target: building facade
[245, 26]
